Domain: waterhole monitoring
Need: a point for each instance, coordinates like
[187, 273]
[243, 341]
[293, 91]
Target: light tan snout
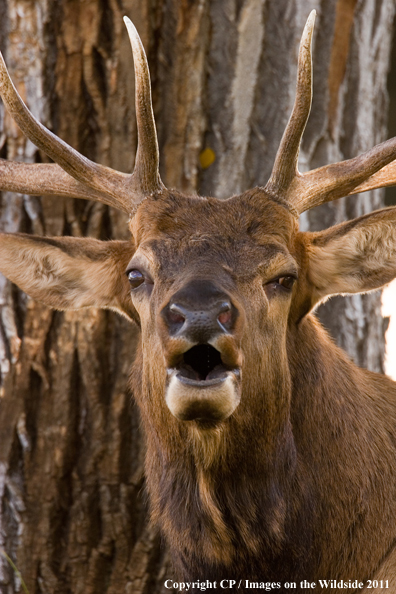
[200, 327]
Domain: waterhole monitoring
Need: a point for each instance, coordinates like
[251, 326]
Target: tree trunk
[72, 515]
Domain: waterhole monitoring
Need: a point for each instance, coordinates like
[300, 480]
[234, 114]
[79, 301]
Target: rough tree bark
[72, 509]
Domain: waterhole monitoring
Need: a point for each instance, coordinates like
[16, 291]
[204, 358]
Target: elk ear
[354, 257]
[69, 272]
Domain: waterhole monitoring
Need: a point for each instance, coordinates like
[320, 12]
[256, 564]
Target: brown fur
[295, 478]
[303, 472]
[299, 482]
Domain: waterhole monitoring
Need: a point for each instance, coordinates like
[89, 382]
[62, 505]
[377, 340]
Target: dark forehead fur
[252, 216]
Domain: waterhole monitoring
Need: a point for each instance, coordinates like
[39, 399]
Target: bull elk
[270, 456]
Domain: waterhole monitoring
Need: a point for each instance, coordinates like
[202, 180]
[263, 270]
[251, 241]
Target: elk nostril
[175, 316]
[225, 317]
[225, 314]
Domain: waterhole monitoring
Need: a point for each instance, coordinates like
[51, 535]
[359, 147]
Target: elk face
[212, 286]
[211, 282]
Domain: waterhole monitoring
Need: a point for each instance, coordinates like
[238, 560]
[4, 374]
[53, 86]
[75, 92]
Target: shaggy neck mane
[222, 489]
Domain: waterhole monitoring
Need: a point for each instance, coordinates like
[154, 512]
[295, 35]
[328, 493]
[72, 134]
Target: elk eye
[282, 284]
[135, 277]
[286, 282]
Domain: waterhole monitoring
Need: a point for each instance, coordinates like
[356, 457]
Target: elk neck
[252, 479]
[237, 482]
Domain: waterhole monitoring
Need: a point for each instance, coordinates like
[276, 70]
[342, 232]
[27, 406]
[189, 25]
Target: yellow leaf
[207, 157]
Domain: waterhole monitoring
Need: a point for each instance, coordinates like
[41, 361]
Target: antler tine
[285, 166]
[384, 178]
[371, 170]
[99, 178]
[48, 179]
[84, 178]
[146, 173]
[305, 191]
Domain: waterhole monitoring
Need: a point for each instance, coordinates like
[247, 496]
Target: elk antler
[146, 173]
[84, 178]
[285, 166]
[304, 191]
[49, 179]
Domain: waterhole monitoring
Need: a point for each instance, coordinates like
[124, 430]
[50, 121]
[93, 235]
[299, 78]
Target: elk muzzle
[200, 328]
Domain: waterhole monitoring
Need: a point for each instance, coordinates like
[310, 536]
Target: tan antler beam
[385, 177]
[84, 178]
[345, 178]
[47, 179]
[146, 173]
[305, 191]
[285, 166]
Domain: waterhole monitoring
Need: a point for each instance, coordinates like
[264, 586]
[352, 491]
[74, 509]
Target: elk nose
[199, 311]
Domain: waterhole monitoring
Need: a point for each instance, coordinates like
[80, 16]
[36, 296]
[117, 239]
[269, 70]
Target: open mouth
[202, 387]
[202, 366]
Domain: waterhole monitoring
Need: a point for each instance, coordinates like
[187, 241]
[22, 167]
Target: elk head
[216, 286]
